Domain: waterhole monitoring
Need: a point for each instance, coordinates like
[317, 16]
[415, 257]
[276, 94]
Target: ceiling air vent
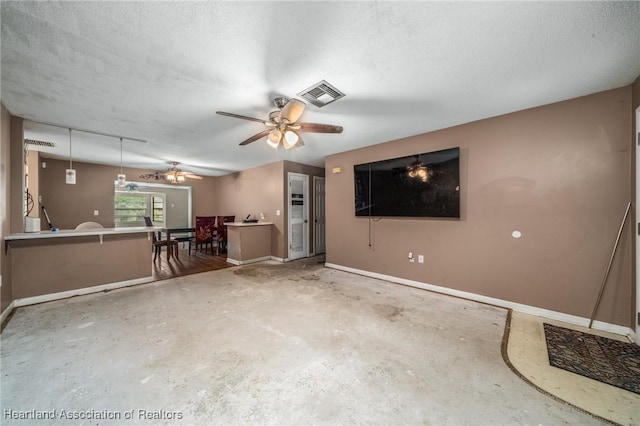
[321, 94]
[33, 142]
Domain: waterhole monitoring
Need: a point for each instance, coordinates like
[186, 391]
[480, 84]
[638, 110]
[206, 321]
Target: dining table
[176, 230]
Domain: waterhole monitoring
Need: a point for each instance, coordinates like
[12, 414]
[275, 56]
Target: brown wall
[254, 191]
[70, 205]
[53, 265]
[32, 180]
[264, 190]
[5, 201]
[635, 89]
[560, 174]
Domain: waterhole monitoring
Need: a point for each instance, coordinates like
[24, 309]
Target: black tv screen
[421, 185]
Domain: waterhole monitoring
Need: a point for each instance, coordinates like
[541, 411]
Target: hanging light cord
[70, 158]
[121, 156]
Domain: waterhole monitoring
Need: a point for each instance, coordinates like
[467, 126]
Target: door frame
[305, 214]
[317, 179]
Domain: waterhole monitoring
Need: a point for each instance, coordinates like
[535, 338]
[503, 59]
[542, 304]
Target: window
[131, 208]
[158, 209]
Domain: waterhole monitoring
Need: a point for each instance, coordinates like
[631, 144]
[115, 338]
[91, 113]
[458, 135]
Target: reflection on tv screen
[421, 185]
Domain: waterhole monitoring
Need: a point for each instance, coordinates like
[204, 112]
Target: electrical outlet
[411, 258]
[420, 258]
[95, 212]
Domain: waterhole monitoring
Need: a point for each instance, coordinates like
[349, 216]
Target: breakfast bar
[248, 242]
[50, 265]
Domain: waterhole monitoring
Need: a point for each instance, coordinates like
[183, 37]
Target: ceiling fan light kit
[282, 125]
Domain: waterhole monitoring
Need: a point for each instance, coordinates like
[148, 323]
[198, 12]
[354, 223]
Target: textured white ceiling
[158, 71]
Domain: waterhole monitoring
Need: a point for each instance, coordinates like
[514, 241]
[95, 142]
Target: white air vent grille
[321, 94]
[39, 143]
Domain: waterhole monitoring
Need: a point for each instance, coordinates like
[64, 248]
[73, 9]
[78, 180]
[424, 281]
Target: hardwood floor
[185, 264]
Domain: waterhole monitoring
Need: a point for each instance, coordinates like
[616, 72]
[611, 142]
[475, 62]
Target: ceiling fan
[173, 175]
[283, 126]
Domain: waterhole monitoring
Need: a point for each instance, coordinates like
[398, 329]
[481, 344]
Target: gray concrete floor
[267, 343]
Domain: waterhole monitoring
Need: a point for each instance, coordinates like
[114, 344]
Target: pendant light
[122, 179]
[71, 173]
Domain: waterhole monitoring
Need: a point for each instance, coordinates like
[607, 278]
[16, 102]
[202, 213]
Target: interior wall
[5, 213]
[635, 96]
[560, 174]
[252, 192]
[16, 174]
[70, 205]
[264, 190]
[32, 180]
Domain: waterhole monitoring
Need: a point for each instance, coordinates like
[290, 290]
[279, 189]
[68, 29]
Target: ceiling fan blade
[292, 110]
[190, 176]
[242, 117]
[319, 128]
[255, 137]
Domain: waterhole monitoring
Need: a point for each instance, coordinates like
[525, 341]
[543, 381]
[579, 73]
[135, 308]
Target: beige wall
[53, 265]
[32, 181]
[70, 205]
[5, 200]
[635, 88]
[264, 190]
[254, 191]
[560, 174]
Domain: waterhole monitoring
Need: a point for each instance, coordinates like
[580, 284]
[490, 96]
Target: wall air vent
[321, 94]
[32, 142]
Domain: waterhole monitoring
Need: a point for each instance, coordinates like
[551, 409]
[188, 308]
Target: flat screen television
[421, 185]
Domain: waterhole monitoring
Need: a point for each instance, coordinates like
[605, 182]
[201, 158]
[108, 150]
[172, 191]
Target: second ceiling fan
[283, 126]
[173, 175]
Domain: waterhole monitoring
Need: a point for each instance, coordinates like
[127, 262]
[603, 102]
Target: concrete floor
[267, 343]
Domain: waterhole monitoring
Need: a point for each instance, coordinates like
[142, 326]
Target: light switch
[95, 212]
[277, 212]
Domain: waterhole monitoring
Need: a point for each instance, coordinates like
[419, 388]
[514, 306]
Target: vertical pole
[606, 275]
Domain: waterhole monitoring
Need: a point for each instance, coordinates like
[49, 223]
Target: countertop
[248, 224]
[80, 232]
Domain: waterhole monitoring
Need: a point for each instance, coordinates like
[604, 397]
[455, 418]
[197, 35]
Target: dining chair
[205, 232]
[158, 243]
[89, 225]
[188, 238]
[221, 232]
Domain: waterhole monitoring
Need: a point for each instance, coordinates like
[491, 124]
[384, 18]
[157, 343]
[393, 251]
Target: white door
[298, 216]
[318, 219]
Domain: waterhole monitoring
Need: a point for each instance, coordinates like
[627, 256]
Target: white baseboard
[532, 310]
[278, 259]
[79, 292]
[7, 311]
[246, 262]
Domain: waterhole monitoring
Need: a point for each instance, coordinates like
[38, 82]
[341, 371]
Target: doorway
[298, 215]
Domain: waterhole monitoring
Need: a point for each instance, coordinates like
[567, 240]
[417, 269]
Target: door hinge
[638, 318]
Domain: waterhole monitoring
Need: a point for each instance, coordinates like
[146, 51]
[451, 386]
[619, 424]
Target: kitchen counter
[49, 265]
[248, 242]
